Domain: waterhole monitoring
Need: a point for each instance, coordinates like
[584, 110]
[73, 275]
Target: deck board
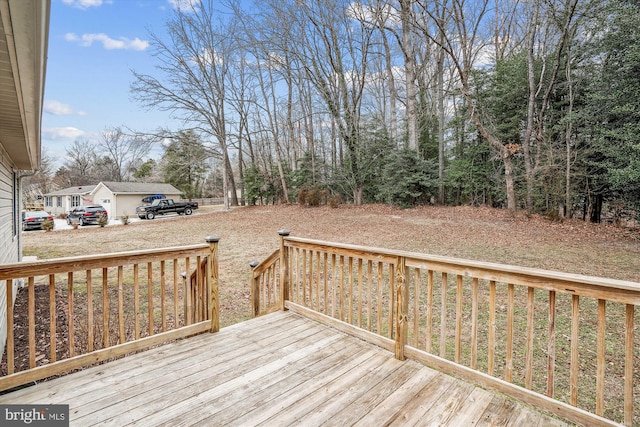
[279, 369]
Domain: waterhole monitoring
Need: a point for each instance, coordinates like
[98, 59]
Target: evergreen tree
[184, 163]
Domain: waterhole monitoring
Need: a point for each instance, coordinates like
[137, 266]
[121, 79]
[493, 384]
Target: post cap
[253, 264]
[284, 232]
[212, 239]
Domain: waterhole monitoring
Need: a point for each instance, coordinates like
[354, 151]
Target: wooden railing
[562, 342]
[114, 304]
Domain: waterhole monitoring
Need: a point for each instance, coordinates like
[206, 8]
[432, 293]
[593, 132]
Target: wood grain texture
[277, 369]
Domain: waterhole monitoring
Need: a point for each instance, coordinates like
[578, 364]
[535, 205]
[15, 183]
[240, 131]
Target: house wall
[103, 196]
[56, 210]
[127, 204]
[65, 205]
[9, 234]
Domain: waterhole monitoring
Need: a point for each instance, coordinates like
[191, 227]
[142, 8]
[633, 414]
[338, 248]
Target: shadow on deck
[278, 369]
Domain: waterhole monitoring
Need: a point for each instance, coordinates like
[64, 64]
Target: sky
[93, 46]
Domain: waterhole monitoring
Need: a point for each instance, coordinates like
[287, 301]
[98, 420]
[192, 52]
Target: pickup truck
[164, 206]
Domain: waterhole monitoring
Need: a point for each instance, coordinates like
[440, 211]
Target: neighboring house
[122, 198]
[62, 201]
[24, 32]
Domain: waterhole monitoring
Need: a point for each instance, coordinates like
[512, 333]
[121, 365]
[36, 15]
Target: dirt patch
[42, 334]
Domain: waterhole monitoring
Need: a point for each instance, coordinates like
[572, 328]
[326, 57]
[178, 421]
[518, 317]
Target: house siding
[127, 204]
[102, 196]
[9, 236]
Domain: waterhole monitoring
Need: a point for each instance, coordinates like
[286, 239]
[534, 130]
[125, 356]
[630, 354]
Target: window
[105, 201]
[47, 201]
[75, 201]
[59, 201]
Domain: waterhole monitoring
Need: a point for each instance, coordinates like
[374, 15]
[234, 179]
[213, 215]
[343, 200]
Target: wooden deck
[276, 370]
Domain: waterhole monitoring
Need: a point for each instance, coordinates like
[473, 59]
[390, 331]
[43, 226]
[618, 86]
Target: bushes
[408, 180]
[315, 196]
[102, 220]
[47, 225]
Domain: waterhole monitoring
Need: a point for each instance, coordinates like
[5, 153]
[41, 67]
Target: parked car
[165, 206]
[85, 215]
[32, 220]
[152, 197]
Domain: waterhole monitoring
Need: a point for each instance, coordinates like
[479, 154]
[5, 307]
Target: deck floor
[277, 370]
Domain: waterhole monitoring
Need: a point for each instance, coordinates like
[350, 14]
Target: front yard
[250, 234]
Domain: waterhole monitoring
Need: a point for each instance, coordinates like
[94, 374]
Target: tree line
[516, 104]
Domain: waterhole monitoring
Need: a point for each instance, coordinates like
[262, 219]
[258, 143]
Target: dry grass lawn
[250, 234]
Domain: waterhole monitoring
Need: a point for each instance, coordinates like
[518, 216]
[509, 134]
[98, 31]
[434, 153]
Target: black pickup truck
[164, 206]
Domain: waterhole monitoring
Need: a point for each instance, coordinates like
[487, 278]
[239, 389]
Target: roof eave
[26, 32]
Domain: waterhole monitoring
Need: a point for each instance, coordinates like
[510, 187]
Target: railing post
[284, 269]
[255, 290]
[214, 300]
[402, 307]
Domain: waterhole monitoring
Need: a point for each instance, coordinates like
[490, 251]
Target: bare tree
[125, 152]
[461, 38]
[193, 68]
[333, 47]
[553, 33]
[81, 159]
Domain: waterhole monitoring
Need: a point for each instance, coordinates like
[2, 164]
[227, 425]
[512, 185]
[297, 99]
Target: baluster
[529, 355]
[150, 294]
[121, 304]
[492, 328]
[90, 321]
[70, 318]
[176, 314]
[575, 335]
[458, 349]
[600, 364]
[32, 323]
[551, 347]
[163, 296]
[628, 364]
[369, 295]
[443, 316]
[105, 308]
[53, 342]
[474, 324]
[10, 337]
[428, 343]
[416, 306]
[136, 300]
[510, 311]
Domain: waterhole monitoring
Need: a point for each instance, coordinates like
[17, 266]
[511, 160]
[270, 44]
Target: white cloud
[107, 42]
[85, 4]
[62, 133]
[185, 5]
[59, 109]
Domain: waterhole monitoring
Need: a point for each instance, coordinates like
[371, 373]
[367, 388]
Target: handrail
[114, 304]
[265, 288]
[545, 337]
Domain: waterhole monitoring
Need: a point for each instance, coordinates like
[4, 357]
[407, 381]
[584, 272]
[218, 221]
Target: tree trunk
[441, 119]
[410, 74]
[568, 210]
[595, 208]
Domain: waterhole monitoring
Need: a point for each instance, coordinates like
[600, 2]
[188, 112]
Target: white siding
[103, 196]
[127, 204]
[9, 244]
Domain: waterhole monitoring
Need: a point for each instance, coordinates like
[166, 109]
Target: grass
[250, 234]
